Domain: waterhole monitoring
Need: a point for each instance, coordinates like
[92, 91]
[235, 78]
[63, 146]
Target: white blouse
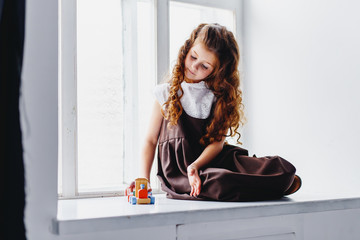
[196, 101]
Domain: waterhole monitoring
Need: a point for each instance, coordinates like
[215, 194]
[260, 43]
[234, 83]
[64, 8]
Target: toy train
[139, 192]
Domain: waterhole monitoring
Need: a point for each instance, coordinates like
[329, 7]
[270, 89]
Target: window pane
[181, 27]
[99, 95]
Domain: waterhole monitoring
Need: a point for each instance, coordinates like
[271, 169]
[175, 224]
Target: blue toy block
[132, 200]
[152, 200]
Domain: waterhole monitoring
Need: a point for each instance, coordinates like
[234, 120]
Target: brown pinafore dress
[231, 176]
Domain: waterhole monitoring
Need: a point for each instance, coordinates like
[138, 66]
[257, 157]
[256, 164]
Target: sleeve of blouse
[161, 92]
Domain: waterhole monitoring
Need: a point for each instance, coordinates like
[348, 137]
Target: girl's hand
[194, 180]
[149, 187]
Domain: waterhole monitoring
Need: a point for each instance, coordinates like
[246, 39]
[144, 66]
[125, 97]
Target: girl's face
[199, 63]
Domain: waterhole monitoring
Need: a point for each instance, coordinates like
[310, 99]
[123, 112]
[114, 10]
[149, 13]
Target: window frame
[67, 65]
[67, 99]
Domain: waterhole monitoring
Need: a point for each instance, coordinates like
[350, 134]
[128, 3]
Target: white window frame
[67, 73]
[68, 95]
[130, 72]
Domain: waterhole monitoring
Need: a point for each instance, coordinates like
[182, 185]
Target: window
[100, 95]
[112, 53]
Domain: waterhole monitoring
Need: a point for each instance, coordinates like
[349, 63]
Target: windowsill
[115, 213]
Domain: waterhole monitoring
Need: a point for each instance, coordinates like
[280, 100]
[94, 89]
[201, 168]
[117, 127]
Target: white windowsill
[115, 213]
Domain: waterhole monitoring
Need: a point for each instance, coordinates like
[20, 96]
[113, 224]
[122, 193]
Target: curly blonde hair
[224, 82]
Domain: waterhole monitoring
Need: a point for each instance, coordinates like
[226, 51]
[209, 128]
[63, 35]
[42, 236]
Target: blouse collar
[200, 84]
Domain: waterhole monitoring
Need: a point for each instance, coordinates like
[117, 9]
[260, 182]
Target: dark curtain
[12, 193]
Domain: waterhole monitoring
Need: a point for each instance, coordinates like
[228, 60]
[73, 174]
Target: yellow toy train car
[139, 192]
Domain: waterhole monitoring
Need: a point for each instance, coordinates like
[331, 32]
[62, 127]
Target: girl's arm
[209, 153]
[150, 141]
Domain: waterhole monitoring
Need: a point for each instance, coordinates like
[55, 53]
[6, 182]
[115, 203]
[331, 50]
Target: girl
[191, 117]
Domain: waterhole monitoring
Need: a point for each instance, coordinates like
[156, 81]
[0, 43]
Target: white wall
[39, 116]
[302, 87]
